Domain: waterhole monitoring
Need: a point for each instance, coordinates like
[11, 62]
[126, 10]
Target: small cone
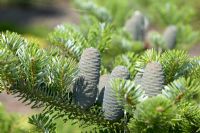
[153, 79]
[111, 107]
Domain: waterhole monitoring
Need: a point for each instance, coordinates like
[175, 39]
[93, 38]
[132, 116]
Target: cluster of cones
[94, 88]
[138, 27]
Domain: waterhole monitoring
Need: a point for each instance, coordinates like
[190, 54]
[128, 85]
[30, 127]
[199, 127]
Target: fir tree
[46, 78]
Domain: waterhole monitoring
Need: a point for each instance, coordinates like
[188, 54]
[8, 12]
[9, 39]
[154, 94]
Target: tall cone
[85, 90]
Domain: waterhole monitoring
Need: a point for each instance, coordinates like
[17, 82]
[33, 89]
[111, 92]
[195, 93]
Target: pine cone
[102, 83]
[153, 79]
[89, 73]
[170, 36]
[111, 107]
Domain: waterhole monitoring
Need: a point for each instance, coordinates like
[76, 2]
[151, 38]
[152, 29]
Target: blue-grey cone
[153, 79]
[136, 26]
[102, 83]
[170, 35]
[120, 72]
[112, 107]
[89, 69]
[138, 78]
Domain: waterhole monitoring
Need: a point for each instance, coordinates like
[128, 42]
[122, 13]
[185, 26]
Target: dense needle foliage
[157, 90]
[45, 78]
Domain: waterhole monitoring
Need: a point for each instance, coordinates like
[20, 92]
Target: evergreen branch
[99, 36]
[43, 123]
[128, 92]
[192, 114]
[188, 118]
[183, 89]
[68, 39]
[9, 44]
[193, 70]
[60, 107]
[175, 64]
[89, 7]
[44, 81]
[11, 41]
[33, 62]
[194, 73]
[147, 57]
[153, 115]
[63, 72]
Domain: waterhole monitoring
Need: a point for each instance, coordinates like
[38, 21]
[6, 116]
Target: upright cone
[85, 90]
[136, 25]
[169, 35]
[153, 79]
[111, 107]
